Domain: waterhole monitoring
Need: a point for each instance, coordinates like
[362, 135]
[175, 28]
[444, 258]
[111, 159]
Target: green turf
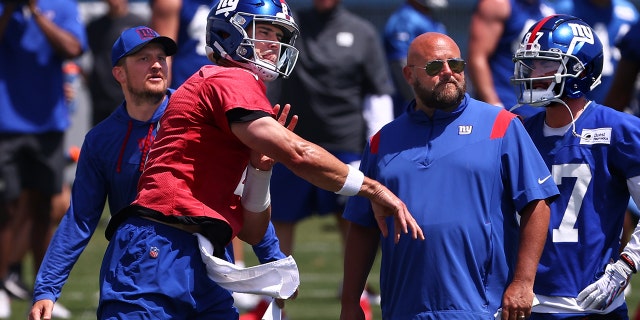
[317, 253]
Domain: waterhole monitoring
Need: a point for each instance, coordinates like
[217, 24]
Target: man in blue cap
[112, 157]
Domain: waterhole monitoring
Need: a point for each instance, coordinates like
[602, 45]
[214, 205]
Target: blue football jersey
[591, 171]
[191, 53]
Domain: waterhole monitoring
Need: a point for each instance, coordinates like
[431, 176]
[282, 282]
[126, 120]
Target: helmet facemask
[249, 54]
[540, 76]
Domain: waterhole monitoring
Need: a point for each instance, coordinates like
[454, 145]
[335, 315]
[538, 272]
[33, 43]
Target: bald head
[435, 71]
[430, 46]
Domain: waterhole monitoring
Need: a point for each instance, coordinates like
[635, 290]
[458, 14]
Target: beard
[443, 96]
[150, 93]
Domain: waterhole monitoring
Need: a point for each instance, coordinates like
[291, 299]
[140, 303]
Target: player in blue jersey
[184, 21]
[593, 154]
[470, 174]
[495, 32]
[113, 155]
[412, 19]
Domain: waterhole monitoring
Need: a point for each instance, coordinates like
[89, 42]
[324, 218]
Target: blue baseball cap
[133, 39]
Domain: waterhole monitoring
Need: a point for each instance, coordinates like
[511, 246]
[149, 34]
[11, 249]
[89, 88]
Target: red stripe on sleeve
[501, 124]
[374, 143]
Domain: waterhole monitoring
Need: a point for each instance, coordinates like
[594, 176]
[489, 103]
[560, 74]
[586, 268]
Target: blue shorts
[620, 313]
[154, 271]
[293, 198]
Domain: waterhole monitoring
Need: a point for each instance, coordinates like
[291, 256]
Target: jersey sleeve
[527, 175]
[88, 197]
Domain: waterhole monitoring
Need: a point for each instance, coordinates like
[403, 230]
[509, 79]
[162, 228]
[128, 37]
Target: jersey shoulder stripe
[501, 124]
[374, 143]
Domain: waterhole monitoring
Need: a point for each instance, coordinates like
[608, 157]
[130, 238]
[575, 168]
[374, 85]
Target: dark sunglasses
[434, 67]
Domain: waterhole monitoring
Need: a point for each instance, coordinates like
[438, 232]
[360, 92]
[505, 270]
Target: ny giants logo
[226, 6]
[146, 33]
[581, 33]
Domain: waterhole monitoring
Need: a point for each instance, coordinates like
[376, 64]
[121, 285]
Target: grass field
[317, 253]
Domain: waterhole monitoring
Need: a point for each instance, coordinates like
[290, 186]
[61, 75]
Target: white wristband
[255, 195]
[354, 181]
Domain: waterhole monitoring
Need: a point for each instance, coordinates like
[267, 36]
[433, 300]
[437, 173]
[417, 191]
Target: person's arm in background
[487, 25]
[623, 85]
[165, 19]
[377, 111]
[7, 10]
[377, 105]
[66, 44]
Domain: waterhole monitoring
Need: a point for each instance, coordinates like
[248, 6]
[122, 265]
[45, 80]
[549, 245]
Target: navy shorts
[294, 199]
[621, 313]
[154, 271]
[31, 162]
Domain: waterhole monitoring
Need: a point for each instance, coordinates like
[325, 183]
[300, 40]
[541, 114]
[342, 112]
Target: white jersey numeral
[198, 29]
[567, 232]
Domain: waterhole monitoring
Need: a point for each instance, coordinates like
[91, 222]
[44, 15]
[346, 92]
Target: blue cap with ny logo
[133, 39]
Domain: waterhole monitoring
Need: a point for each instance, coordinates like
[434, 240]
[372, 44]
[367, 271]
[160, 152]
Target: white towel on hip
[277, 279]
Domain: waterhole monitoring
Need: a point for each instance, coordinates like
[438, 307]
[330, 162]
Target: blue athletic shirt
[462, 176]
[191, 53]
[109, 166]
[31, 96]
[587, 218]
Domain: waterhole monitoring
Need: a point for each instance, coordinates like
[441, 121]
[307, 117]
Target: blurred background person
[185, 22]
[410, 20]
[36, 38]
[495, 32]
[622, 94]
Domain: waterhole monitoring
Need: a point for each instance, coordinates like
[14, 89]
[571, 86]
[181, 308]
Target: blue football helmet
[560, 56]
[227, 38]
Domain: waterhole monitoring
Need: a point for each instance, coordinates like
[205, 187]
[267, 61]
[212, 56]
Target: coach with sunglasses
[475, 183]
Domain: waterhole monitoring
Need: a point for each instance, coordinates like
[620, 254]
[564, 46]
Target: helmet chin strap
[573, 119]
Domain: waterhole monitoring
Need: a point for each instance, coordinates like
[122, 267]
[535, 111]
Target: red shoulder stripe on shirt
[501, 124]
[374, 143]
